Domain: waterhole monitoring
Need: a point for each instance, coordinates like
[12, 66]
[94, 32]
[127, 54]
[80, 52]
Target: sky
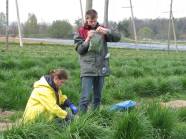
[50, 10]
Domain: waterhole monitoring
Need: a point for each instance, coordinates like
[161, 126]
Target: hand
[69, 117]
[90, 34]
[73, 108]
[102, 30]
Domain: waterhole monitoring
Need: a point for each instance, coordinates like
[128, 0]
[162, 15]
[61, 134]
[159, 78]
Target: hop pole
[7, 24]
[19, 25]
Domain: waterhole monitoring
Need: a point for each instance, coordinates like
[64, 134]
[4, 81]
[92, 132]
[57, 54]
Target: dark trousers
[89, 84]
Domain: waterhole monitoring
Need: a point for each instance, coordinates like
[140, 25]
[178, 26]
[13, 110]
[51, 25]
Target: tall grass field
[147, 77]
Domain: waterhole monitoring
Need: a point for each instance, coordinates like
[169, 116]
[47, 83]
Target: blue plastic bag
[123, 105]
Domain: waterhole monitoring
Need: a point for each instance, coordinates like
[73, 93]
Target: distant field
[140, 75]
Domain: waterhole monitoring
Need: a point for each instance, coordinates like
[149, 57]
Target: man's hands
[89, 36]
[102, 30]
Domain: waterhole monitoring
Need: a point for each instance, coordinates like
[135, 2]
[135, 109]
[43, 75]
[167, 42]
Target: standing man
[91, 44]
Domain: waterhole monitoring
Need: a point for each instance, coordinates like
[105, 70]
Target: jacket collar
[51, 82]
[90, 28]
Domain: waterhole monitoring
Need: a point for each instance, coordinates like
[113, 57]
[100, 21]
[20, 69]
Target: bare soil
[175, 104]
[5, 124]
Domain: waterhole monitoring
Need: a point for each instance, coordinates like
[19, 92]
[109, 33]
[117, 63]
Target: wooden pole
[106, 13]
[19, 25]
[174, 32]
[7, 24]
[82, 16]
[133, 22]
[88, 5]
[169, 26]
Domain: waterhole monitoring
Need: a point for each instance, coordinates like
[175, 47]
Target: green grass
[132, 125]
[88, 126]
[179, 131]
[39, 130]
[162, 119]
[182, 114]
[138, 75]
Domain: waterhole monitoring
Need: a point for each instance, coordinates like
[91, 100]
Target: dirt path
[5, 123]
[175, 104]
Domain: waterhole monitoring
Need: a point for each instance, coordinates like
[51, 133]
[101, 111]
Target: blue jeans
[89, 84]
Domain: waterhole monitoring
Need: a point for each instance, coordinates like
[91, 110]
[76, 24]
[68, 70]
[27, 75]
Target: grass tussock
[162, 119]
[132, 125]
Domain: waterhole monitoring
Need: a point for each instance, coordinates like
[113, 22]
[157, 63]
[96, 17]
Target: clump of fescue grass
[14, 95]
[7, 75]
[8, 64]
[172, 84]
[151, 86]
[165, 98]
[72, 90]
[34, 72]
[29, 63]
[162, 119]
[182, 114]
[143, 87]
[132, 125]
[116, 89]
[87, 126]
[2, 75]
[105, 117]
[184, 82]
[37, 130]
[106, 97]
[179, 131]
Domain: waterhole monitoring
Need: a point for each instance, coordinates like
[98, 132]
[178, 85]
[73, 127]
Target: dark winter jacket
[94, 57]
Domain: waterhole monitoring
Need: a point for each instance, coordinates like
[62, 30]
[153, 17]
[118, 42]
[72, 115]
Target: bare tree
[106, 12]
[88, 5]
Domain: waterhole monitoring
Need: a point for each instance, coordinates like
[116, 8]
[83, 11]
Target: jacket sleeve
[62, 98]
[113, 36]
[80, 46]
[49, 102]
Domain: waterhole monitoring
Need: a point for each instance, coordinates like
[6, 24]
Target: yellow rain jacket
[43, 101]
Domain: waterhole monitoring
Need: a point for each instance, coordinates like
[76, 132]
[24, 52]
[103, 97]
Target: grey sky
[50, 10]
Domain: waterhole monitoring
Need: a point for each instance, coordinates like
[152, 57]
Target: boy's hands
[102, 30]
[89, 36]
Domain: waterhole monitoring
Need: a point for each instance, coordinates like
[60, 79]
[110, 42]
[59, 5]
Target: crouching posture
[47, 98]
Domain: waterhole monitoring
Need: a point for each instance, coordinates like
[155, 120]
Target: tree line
[146, 28]
[31, 28]
[153, 28]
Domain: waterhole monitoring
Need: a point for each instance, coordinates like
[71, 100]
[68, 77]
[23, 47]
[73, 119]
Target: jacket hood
[42, 83]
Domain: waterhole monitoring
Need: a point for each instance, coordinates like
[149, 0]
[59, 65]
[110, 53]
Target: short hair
[92, 14]
[60, 73]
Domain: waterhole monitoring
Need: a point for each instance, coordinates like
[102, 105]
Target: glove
[69, 117]
[73, 108]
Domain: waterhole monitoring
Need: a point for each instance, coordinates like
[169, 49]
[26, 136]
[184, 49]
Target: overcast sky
[50, 10]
